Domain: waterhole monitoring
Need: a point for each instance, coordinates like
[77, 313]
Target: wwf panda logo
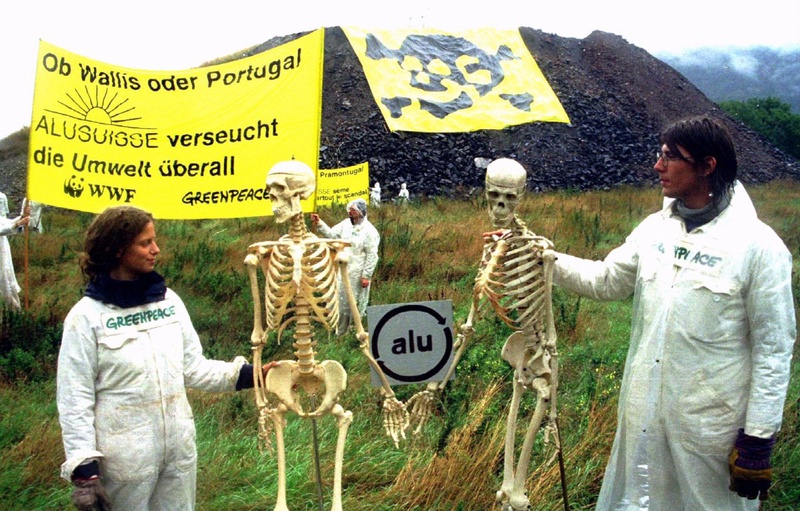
[73, 186]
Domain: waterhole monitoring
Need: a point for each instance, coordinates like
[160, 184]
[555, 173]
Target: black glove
[750, 468]
[89, 495]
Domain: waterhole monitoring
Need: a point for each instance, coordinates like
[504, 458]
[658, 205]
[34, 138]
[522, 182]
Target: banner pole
[26, 211]
[25, 264]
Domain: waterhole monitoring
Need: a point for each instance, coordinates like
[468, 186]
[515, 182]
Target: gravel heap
[617, 96]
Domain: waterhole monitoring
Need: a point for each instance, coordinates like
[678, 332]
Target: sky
[180, 34]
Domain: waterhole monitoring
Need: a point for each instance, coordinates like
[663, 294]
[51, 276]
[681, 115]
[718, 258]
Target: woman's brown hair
[107, 237]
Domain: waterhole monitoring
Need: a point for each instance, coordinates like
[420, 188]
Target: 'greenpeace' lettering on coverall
[122, 374]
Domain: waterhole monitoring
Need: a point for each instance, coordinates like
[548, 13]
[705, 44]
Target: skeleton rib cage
[315, 272]
[512, 279]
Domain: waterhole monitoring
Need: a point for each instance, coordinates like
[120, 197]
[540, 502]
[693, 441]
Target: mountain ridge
[739, 74]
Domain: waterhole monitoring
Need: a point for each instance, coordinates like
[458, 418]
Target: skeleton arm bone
[251, 263]
[259, 254]
[463, 339]
[395, 415]
[422, 403]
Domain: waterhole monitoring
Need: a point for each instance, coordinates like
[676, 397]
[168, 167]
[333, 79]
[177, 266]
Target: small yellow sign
[340, 186]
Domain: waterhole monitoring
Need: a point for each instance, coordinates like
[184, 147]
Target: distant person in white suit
[403, 196]
[375, 195]
[364, 240]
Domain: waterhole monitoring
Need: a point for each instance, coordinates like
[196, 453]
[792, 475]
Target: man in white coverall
[364, 241]
[711, 340]
[128, 352]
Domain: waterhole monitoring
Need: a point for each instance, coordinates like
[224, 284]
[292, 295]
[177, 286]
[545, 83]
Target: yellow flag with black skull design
[427, 80]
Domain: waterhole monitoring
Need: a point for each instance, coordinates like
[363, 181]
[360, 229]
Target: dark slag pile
[617, 96]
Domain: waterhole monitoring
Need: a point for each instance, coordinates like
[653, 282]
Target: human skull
[505, 186]
[289, 182]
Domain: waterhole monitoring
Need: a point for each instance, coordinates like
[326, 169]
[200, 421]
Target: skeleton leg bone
[507, 486]
[343, 420]
[279, 422]
[531, 370]
[535, 423]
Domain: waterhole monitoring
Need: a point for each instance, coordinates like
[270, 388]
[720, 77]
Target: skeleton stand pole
[561, 469]
[27, 268]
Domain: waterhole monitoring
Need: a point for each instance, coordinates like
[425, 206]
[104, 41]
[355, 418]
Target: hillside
[617, 96]
[741, 74]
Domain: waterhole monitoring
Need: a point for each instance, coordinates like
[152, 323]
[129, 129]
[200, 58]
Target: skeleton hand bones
[395, 414]
[499, 234]
[395, 418]
[422, 403]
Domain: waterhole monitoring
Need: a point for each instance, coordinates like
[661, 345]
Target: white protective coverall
[122, 374]
[711, 342]
[9, 287]
[364, 239]
[375, 195]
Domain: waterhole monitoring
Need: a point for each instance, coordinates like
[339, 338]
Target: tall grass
[429, 251]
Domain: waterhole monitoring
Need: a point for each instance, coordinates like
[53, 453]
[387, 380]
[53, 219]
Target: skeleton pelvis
[529, 362]
[289, 385]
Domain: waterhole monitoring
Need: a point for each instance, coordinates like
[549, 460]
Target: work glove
[89, 495]
[750, 468]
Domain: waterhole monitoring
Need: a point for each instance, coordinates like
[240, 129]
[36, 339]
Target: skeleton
[515, 278]
[301, 289]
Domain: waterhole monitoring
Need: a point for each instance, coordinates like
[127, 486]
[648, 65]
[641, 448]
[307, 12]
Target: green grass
[429, 251]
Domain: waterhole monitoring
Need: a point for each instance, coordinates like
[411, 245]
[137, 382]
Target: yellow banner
[186, 144]
[426, 80]
[340, 186]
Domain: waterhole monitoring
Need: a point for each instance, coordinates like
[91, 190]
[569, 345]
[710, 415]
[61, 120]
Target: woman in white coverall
[364, 240]
[128, 352]
[711, 340]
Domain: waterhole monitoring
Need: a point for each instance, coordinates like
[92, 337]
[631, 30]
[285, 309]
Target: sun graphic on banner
[101, 106]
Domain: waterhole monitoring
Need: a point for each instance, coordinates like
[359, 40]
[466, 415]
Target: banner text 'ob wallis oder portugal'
[187, 144]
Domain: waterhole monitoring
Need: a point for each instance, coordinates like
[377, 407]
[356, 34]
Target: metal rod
[561, 467]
